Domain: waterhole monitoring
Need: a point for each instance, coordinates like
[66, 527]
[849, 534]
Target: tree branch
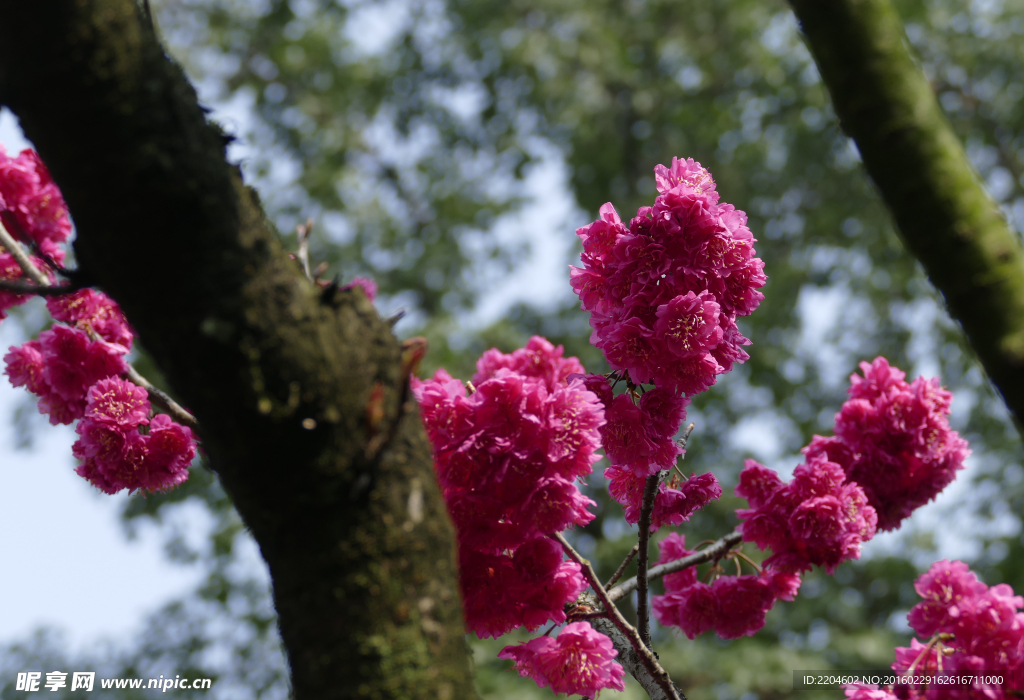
[945, 216]
[49, 290]
[622, 567]
[643, 620]
[713, 551]
[22, 258]
[646, 656]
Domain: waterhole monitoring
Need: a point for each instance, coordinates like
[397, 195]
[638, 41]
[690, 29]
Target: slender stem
[15, 249]
[155, 395]
[647, 658]
[163, 400]
[622, 567]
[303, 231]
[49, 290]
[714, 552]
[643, 619]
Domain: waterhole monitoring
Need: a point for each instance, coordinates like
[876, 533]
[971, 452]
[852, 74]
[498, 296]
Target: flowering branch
[713, 552]
[646, 508]
[19, 255]
[647, 658]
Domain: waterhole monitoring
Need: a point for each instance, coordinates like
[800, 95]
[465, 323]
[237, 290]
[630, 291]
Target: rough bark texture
[628, 657]
[946, 218]
[359, 546]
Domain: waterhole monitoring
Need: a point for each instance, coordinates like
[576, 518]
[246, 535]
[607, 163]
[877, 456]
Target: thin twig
[49, 290]
[647, 657]
[714, 552]
[622, 567]
[303, 231]
[15, 249]
[643, 619]
[162, 400]
[173, 409]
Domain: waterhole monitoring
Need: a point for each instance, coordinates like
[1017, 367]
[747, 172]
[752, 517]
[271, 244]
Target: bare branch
[303, 231]
[647, 658]
[622, 567]
[21, 257]
[163, 400]
[713, 552]
[49, 290]
[643, 615]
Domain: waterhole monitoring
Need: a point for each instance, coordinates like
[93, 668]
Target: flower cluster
[664, 293]
[60, 366]
[818, 518]
[506, 457]
[33, 210]
[638, 441]
[116, 455]
[74, 367]
[578, 662]
[894, 440]
[970, 627]
[732, 606]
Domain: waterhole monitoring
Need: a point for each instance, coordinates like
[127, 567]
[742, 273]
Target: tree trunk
[944, 215]
[278, 374]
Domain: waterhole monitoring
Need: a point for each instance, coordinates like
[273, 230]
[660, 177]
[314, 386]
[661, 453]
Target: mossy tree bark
[946, 218]
[280, 376]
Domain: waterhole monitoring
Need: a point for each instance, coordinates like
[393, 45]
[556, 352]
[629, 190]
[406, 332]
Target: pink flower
[816, 519]
[525, 589]
[672, 284]
[986, 628]
[893, 439]
[89, 309]
[578, 662]
[117, 403]
[30, 202]
[506, 457]
[367, 284]
[732, 606]
[115, 455]
[860, 691]
[539, 360]
[689, 324]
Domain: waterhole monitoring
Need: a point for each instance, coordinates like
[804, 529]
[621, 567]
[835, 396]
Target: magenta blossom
[670, 286]
[580, 661]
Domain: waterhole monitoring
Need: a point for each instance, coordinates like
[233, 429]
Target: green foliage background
[408, 130]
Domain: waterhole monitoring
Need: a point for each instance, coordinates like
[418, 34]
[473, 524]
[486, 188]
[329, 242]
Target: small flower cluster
[894, 440]
[638, 441]
[818, 518]
[506, 457]
[60, 366]
[74, 367]
[578, 662]
[664, 293]
[971, 628]
[367, 284]
[32, 209]
[116, 455]
[732, 606]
